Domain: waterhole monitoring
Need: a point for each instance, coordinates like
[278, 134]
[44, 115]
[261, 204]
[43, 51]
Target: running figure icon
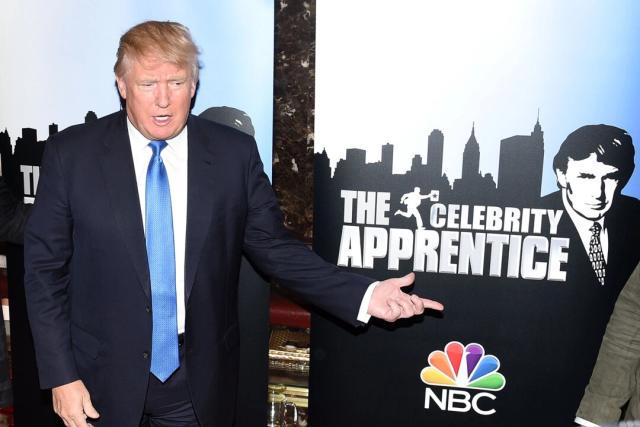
[412, 201]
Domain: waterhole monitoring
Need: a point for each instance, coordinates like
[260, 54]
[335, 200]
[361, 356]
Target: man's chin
[163, 134]
[593, 215]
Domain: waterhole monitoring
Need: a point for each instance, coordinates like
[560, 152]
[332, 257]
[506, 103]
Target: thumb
[405, 280]
[88, 408]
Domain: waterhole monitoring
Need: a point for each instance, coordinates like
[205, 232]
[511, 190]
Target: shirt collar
[139, 142]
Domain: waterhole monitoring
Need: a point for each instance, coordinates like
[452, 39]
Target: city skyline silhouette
[519, 181]
[26, 151]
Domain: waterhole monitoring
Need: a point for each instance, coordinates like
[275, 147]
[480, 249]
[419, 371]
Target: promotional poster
[488, 148]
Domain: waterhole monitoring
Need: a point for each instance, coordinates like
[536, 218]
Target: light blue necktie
[162, 267]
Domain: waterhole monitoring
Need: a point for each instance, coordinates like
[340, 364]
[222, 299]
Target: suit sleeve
[13, 215]
[276, 253]
[614, 376]
[48, 252]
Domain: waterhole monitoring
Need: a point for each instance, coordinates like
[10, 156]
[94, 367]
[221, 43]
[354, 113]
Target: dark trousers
[168, 404]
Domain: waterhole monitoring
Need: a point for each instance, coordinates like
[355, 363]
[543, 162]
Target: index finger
[433, 305]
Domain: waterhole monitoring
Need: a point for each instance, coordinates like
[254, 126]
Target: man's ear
[561, 178]
[122, 87]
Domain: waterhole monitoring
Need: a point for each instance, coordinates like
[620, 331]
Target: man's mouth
[596, 206]
[161, 119]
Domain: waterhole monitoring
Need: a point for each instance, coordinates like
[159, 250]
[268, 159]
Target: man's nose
[600, 194]
[162, 96]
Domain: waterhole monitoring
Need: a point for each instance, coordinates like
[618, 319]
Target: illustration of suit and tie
[592, 167]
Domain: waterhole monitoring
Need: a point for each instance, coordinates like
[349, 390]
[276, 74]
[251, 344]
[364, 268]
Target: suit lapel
[620, 262]
[120, 183]
[200, 184]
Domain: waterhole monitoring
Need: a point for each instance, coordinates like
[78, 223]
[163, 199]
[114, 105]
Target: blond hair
[168, 41]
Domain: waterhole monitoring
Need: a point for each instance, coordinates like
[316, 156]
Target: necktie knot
[157, 147]
[595, 229]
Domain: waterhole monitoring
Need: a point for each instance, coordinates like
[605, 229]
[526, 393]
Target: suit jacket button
[147, 309]
[145, 355]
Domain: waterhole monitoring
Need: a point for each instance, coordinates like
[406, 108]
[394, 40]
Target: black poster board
[524, 310]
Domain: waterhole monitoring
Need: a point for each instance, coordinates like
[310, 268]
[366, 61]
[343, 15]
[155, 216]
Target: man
[614, 382]
[133, 249]
[592, 166]
[13, 215]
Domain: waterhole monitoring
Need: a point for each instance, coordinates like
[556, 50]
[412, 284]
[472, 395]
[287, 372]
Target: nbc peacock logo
[462, 367]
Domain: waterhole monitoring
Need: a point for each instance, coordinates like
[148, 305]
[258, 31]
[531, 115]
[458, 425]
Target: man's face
[158, 96]
[590, 186]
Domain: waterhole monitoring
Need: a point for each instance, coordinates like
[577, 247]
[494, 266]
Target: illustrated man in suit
[592, 166]
[133, 249]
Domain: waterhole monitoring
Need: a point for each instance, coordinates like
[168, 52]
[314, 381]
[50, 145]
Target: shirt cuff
[584, 422]
[363, 316]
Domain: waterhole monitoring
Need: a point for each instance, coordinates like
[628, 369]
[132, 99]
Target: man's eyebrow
[615, 174]
[586, 175]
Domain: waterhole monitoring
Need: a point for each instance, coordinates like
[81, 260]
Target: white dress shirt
[174, 156]
[585, 423]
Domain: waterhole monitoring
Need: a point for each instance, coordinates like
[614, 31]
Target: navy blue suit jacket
[87, 279]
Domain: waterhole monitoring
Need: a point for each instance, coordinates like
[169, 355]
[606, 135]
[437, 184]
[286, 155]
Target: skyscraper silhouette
[416, 164]
[53, 129]
[28, 151]
[355, 160]
[520, 167]
[5, 153]
[472, 187]
[90, 117]
[435, 154]
[387, 158]
[322, 167]
[471, 157]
